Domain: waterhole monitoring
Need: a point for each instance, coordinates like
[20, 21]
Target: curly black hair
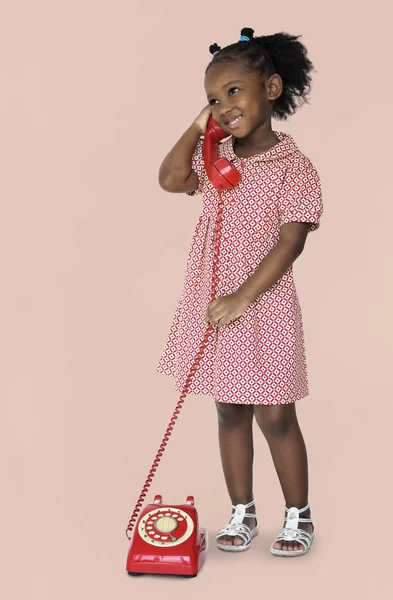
[279, 53]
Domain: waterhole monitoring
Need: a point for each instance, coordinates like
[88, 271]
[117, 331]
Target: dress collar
[285, 147]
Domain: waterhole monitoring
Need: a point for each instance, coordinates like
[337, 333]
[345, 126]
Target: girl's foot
[250, 522]
[229, 540]
[295, 546]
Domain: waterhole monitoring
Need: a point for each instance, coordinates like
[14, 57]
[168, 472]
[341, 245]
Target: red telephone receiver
[221, 172]
[168, 538]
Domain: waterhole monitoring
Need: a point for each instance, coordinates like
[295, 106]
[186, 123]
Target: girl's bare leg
[237, 453]
[282, 432]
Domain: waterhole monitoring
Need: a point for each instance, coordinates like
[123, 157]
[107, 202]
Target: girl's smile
[234, 124]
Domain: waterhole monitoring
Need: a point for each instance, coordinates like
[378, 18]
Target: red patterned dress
[259, 358]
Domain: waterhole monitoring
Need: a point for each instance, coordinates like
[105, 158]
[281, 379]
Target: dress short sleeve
[301, 196]
[199, 167]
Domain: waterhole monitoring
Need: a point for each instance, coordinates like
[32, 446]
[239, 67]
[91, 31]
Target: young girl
[254, 363]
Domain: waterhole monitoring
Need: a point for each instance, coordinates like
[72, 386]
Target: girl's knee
[276, 421]
[234, 414]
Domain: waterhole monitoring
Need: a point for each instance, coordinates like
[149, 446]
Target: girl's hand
[202, 118]
[225, 309]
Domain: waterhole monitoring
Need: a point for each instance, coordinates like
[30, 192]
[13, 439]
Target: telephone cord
[193, 368]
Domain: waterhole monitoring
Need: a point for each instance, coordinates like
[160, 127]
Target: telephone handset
[168, 538]
[221, 172]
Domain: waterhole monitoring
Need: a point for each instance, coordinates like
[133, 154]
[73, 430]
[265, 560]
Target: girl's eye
[229, 92]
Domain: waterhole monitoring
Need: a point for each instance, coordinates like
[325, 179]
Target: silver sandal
[291, 533]
[236, 527]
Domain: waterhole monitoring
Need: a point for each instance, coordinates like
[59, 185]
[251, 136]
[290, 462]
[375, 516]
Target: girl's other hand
[202, 118]
[225, 309]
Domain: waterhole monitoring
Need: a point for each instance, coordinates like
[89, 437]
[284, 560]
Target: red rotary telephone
[168, 538]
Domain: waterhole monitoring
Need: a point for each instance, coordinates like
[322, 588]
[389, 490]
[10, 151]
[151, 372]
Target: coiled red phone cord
[191, 373]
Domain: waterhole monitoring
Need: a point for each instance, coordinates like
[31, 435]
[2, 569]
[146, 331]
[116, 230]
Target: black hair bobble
[214, 48]
[247, 31]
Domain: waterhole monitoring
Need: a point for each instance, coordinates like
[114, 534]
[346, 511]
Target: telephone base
[167, 540]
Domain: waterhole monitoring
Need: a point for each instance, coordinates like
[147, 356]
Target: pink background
[93, 252]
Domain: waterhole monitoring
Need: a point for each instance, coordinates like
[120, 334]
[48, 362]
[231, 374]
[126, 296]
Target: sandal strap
[241, 529]
[295, 532]
[299, 509]
[297, 535]
[300, 520]
[246, 505]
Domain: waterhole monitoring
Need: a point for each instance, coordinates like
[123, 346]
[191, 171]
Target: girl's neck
[261, 140]
[245, 148]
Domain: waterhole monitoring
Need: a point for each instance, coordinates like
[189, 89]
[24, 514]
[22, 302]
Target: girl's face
[234, 93]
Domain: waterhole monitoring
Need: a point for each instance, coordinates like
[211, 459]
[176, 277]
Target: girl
[255, 362]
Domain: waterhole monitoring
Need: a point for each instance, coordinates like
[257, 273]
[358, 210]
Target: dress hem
[264, 402]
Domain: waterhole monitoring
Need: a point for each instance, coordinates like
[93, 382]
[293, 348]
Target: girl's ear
[274, 86]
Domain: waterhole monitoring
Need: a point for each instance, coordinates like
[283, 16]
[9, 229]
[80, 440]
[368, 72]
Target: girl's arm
[277, 262]
[176, 173]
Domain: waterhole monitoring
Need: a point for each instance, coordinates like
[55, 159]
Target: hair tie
[244, 38]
